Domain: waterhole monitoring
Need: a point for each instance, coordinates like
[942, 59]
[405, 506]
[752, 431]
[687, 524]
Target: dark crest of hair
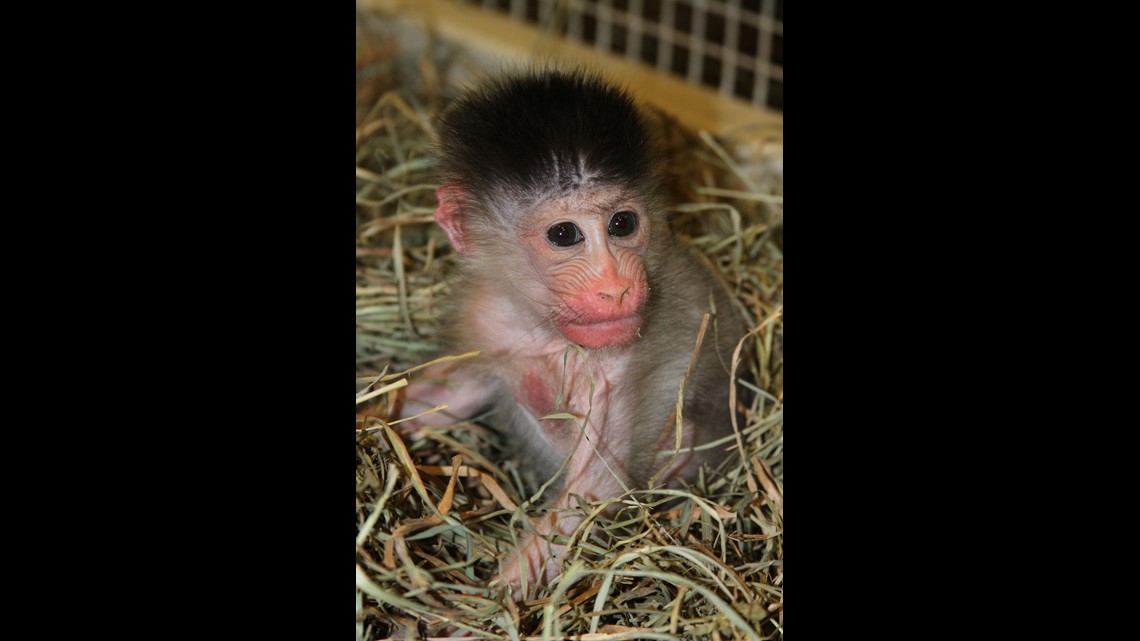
[537, 132]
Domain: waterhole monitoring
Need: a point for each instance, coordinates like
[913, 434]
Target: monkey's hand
[446, 385]
[537, 561]
[534, 564]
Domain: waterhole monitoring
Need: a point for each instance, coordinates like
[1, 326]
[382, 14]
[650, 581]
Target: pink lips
[609, 333]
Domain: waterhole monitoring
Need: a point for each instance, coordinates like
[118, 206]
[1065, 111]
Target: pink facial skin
[595, 289]
[598, 284]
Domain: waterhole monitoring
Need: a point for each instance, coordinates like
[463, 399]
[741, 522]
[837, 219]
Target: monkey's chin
[610, 333]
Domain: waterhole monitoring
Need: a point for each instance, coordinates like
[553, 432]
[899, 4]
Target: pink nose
[615, 295]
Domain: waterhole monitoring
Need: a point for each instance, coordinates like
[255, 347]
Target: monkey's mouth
[612, 332]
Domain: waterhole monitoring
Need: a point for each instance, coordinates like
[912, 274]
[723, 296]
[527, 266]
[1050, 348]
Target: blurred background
[735, 47]
[715, 65]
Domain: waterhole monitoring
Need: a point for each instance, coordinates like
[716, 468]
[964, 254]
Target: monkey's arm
[596, 469]
[537, 561]
[463, 392]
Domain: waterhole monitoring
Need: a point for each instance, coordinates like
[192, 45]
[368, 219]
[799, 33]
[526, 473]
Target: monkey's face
[588, 251]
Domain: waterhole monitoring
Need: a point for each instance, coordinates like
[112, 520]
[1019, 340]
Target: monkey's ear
[449, 214]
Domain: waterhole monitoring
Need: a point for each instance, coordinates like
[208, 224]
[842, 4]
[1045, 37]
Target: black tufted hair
[542, 132]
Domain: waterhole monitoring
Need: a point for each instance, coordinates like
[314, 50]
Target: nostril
[615, 296]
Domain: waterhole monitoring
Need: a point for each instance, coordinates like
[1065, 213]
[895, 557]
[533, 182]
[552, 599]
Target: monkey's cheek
[611, 333]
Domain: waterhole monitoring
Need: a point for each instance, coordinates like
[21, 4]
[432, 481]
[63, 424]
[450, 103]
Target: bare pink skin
[600, 282]
[594, 290]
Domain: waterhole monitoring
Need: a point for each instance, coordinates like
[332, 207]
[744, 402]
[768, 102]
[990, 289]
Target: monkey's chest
[535, 392]
[585, 390]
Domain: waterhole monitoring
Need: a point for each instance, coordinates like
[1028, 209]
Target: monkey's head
[550, 190]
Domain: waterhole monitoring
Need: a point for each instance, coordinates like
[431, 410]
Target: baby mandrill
[552, 200]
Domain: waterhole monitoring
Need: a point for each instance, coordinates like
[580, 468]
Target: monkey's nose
[614, 295]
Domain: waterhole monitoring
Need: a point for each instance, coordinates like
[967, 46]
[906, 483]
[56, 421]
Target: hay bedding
[436, 508]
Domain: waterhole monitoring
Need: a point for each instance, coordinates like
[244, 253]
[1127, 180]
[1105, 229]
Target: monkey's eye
[564, 234]
[623, 223]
